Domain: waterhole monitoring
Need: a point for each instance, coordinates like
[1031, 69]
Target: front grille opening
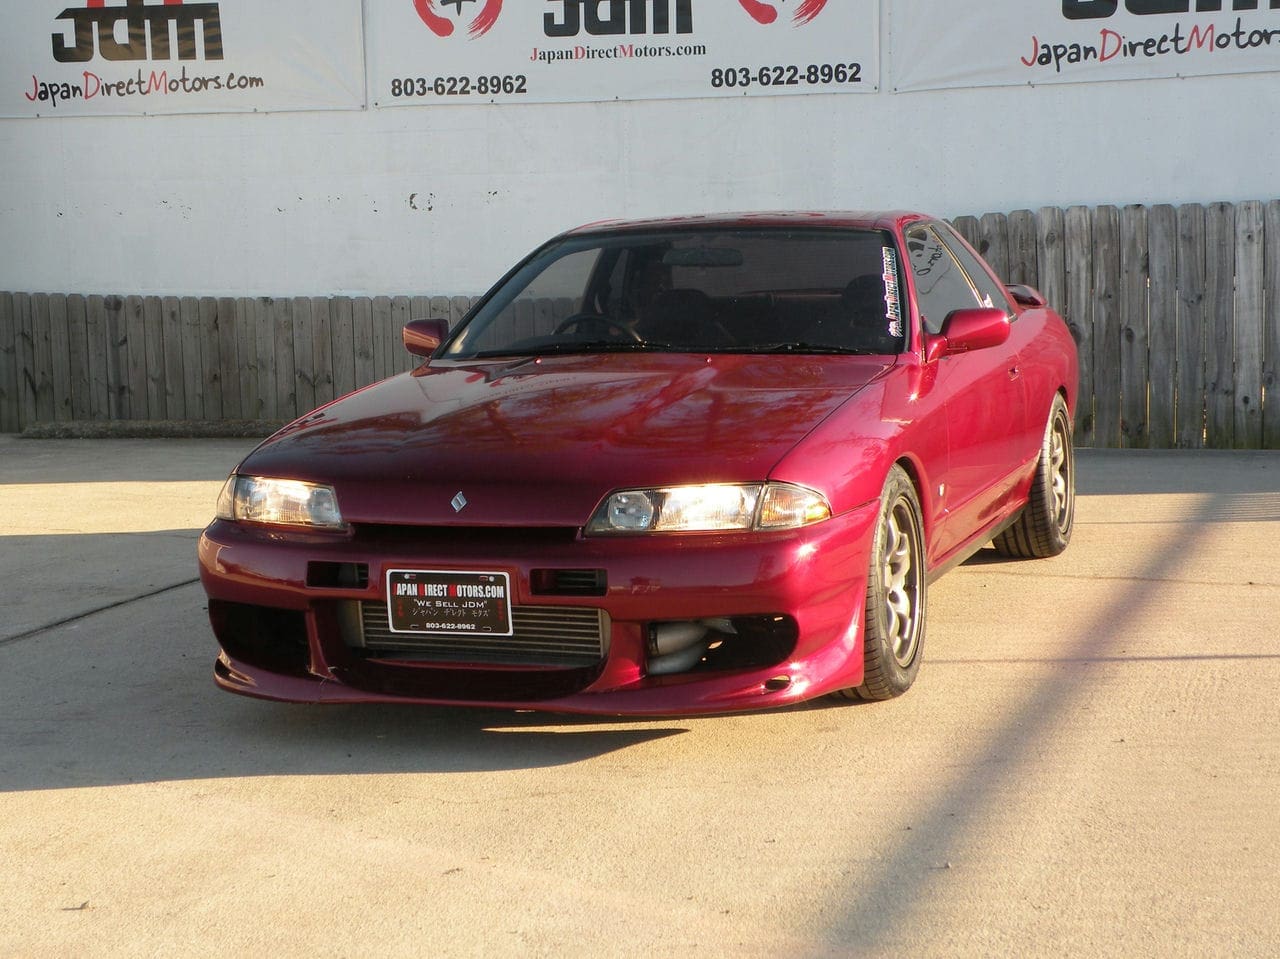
[720, 644]
[757, 641]
[271, 639]
[568, 582]
[549, 637]
[337, 575]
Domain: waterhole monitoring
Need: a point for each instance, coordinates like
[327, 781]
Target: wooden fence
[1176, 312]
[72, 358]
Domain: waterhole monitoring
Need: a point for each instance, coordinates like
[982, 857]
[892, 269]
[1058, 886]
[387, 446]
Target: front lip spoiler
[722, 693]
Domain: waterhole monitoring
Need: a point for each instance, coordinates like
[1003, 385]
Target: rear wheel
[1043, 528]
[894, 618]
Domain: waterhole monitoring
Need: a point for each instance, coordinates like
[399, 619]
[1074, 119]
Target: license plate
[444, 601]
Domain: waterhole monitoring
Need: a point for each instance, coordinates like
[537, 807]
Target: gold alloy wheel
[902, 569]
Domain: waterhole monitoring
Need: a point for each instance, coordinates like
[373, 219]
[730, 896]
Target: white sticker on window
[892, 302]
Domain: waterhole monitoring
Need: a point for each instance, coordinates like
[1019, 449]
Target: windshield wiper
[800, 346]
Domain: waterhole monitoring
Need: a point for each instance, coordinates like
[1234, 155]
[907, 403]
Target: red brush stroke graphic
[488, 17]
[760, 12]
[808, 10]
[765, 13]
[440, 26]
[443, 27]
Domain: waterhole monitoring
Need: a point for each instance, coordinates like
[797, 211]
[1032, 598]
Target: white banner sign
[169, 56]
[428, 52]
[939, 43]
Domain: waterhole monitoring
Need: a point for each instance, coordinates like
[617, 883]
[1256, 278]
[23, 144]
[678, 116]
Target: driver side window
[941, 285]
[557, 293]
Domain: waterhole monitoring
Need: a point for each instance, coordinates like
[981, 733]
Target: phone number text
[815, 74]
[483, 86]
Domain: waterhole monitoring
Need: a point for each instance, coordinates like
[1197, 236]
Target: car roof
[820, 219]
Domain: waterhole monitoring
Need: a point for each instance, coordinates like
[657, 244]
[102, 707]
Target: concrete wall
[445, 198]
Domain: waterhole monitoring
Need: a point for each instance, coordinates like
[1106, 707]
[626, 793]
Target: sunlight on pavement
[93, 507]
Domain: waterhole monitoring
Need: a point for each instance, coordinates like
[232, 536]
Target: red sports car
[667, 466]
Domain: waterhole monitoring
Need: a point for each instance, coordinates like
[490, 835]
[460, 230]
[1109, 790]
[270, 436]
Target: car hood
[540, 442]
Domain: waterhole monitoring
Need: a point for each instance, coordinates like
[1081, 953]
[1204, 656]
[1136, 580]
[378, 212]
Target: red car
[670, 466]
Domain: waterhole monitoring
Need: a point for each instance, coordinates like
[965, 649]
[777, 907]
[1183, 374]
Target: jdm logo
[767, 13]
[443, 26]
[141, 20]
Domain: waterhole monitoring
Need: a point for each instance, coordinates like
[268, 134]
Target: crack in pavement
[32, 633]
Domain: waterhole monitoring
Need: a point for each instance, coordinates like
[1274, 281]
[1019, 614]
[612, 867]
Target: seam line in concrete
[31, 633]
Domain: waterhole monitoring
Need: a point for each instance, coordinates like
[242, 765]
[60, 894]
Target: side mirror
[1025, 295]
[967, 330]
[423, 337]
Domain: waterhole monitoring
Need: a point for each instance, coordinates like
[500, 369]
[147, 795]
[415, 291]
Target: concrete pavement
[1088, 763]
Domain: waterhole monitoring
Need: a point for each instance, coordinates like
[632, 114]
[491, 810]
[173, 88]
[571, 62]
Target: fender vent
[568, 582]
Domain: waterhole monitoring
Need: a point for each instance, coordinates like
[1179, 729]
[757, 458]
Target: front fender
[898, 418]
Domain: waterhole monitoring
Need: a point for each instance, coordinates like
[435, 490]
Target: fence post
[172, 375]
[193, 363]
[211, 354]
[1271, 336]
[117, 359]
[1189, 416]
[1163, 325]
[10, 420]
[1077, 309]
[80, 359]
[286, 372]
[1219, 346]
[1135, 371]
[1106, 326]
[1250, 287]
[322, 349]
[993, 233]
[1023, 263]
[304, 361]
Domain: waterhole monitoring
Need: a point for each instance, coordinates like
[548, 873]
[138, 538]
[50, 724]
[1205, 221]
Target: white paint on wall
[445, 199]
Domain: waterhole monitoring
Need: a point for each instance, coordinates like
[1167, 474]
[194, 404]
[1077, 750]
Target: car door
[1022, 337]
[985, 405]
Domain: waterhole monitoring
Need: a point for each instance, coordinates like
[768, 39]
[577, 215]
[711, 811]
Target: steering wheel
[593, 324]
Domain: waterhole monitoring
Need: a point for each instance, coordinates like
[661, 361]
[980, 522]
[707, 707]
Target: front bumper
[282, 607]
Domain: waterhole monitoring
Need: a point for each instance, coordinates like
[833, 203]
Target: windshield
[730, 291]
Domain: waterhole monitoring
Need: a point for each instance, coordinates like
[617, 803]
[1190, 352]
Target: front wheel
[894, 618]
[1043, 528]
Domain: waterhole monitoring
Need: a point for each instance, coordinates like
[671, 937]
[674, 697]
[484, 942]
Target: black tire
[897, 583]
[1043, 528]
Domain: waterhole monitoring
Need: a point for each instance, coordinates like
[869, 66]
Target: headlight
[258, 499]
[786, 507]
[713, 508]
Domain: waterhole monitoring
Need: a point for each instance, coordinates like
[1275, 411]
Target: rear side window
[941, 285]
[992, 293]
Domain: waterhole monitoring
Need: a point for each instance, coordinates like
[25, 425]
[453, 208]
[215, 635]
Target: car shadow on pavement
[126, 695]
[106, 678]
[875, 912]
